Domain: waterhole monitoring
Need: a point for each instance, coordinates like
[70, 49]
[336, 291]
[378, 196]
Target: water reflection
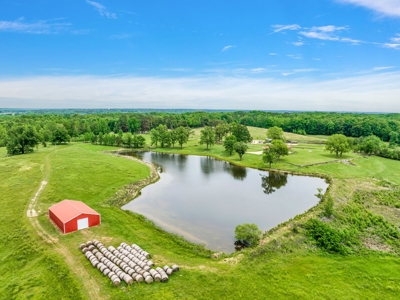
[204, 199]
[239, 173]
[273, 181]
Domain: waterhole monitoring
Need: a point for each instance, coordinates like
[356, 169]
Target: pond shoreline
[129, 192]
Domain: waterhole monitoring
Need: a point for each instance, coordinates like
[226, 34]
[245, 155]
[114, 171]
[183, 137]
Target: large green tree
[241, 133]
[134, 125]
[229, 143]
[22, 139]
[207, 136]
[165, 135]
[240, 149]
[371, 145]
[138, 141]
[276, 133]
[221, 131]
[269, 155]
[60, 135]
[338, 144]
[182, 135]
[280, 148]
[154, 136]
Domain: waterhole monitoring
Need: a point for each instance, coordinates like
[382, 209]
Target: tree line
[20, 132]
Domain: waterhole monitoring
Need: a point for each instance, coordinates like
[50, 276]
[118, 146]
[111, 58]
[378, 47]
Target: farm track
[92, 289]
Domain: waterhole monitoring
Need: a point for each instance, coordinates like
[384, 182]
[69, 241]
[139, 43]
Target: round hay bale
[99, 255]
[137, 269]
[115, 268]
[149, 263]
[130, 271]
[128, 279]
[91, 247]
[126, 260]
[84, 250]
[169, 271]
[116, 281]
[175, 268]
[111, 249]
[94, 251]
[111, 274]
[131, 264]
[139, 278]
[146, 268]
[164, 277]
[102, 268]
[148, 279]
[165, 268]
[81, 246]
[121, 275]
[141, 272]
[106, 271]
[88, 243]
[94, 263]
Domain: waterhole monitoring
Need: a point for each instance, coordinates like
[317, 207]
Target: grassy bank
[287, 266]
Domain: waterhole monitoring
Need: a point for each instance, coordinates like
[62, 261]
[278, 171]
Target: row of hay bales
[126, 263]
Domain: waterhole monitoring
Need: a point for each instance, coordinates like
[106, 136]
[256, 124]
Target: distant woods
[22, 133]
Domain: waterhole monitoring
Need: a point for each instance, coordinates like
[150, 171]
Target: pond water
[204, 199]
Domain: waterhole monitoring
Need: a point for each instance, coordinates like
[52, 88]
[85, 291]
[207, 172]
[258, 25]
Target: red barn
[70, 215]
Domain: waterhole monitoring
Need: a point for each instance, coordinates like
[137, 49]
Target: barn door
[83, 223]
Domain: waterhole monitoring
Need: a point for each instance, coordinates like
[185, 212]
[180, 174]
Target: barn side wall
[72, 225]
[56, 221]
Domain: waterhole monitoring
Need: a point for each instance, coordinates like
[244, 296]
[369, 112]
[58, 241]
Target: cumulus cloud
[102, 10]
[385, 7]
[371, 92]
[39, 27]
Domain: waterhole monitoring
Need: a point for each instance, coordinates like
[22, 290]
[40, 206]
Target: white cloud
[38, 27]
[273, 54]
[391, 46]
[385, 7]
[371, 92]
[295, 56]
[226, 48]
[395, 43]
[258, 70]
[279, 28]
[298, 44]
[102, 10]
[396, 39]
[329, 33]
[382, 68]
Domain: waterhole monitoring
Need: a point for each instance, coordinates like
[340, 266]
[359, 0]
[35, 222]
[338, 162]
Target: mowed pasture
[32, 268]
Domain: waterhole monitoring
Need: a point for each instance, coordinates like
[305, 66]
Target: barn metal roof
[69, 209]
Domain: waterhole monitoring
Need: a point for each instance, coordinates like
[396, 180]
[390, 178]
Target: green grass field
[290, 267]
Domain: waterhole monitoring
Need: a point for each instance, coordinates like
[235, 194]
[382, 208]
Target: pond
[204, 199]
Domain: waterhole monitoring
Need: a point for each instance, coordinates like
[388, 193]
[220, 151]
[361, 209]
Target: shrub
[326, 237]
[248, 232]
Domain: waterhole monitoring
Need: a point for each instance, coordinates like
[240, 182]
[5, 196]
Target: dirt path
[92, 289]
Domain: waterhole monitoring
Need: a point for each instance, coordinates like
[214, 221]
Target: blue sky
[340, 55]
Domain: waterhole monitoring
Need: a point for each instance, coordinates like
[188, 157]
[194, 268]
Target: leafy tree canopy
[338, 144]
